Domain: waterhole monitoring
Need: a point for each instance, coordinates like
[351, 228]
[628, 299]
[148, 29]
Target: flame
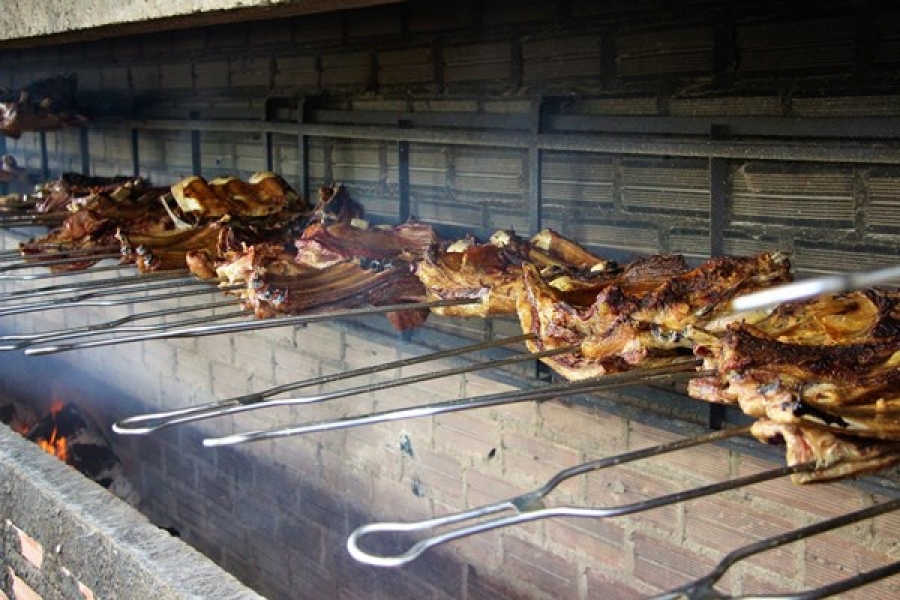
[56, 444]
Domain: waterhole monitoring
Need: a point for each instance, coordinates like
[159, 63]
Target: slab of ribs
[822, 376]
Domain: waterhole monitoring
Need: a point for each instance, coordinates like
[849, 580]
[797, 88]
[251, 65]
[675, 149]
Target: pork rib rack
[822, 375]
[643, 316]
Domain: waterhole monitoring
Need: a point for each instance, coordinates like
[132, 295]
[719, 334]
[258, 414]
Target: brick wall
[277, 513]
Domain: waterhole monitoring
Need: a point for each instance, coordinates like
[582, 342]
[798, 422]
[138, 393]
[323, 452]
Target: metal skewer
[257, 401]
[36, 263]
[851, 583]
[702, 588]
[59, 248]
[617, 380]
[115, 282]
[89, 298]
[20, 341]
[70, 273]
[800, 290]
[530, 507]
[185, 415]
[255, 324]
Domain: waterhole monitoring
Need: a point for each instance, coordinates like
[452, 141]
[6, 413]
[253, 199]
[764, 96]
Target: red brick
[322, 340]
[596, 433]
[21, 590]
[485, 549]
[625, 485]
[598, 541]
[488, 488]
[441, 475]
[292, 366]
[664, 565]
[467, 434]
[758, 584]
[887, 530]
[482, 584]
[704, 464]
[819, 500]
[373, 452]
[396, 501]
[602, 585]
[830, 557]
[533, 461]
[723, 523]
[547, 572]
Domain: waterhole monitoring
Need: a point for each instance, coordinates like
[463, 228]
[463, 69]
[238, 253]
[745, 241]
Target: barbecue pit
[702, 130]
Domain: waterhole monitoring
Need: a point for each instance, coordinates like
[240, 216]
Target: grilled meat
[644, 316]
[72, 190]
[44, 105]
[492, 272]
[836, 456]
[322, 245]
[262, 194]
[237, 266]
[94, 221]
[343, 285]
[833, 361]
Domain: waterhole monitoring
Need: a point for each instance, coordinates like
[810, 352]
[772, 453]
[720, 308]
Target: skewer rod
[703, 587]
[115, 282]
[20, 341]
[188, 332]
[37, 263]
[365, 389]
[89, 298]
[551, 391]
[161, 420]
[73, 273]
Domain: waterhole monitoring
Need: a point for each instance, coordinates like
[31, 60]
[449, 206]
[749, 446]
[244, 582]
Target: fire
[55, 444]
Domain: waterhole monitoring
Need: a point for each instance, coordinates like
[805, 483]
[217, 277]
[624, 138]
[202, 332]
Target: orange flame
[56, 444]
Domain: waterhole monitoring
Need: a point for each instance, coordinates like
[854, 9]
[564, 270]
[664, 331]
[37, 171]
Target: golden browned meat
[492, 273]
[263, 194]
[644, 316]
[836, 456]
[833, 361]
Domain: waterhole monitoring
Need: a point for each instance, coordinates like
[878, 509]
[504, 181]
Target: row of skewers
[817, 374]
